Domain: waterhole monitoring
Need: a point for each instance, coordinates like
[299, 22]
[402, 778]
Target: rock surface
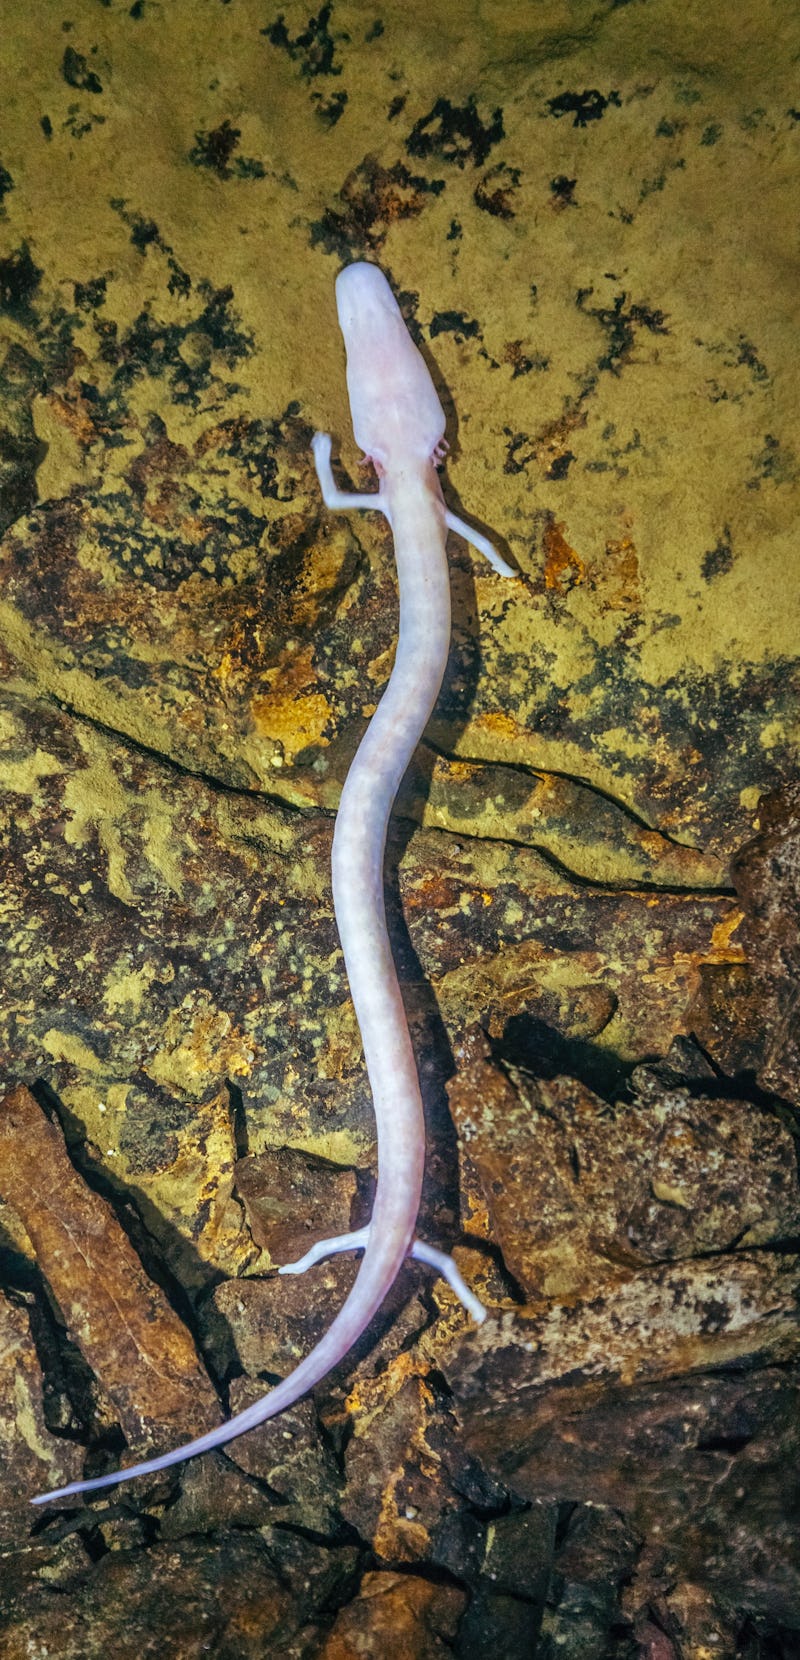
[588, 213]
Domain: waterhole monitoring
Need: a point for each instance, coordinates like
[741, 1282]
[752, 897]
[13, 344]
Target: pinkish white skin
[399, 423]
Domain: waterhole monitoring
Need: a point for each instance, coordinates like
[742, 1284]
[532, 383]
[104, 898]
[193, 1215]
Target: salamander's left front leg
[481, 544]
[331, 494]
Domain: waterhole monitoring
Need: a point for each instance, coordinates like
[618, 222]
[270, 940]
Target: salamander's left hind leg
[357, 1241]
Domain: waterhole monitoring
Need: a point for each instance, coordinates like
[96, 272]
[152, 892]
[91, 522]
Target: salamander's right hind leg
[357, 1241]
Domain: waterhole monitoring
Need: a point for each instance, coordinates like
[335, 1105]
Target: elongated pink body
[399, 422]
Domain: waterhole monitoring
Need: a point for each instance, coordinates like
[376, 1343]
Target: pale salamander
[399, 423]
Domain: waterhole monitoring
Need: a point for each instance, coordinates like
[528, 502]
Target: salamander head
[395, 411]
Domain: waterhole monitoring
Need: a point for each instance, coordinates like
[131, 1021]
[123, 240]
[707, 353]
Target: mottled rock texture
[589, 214]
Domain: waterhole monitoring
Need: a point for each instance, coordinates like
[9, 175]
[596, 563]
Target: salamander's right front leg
[331, 494]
